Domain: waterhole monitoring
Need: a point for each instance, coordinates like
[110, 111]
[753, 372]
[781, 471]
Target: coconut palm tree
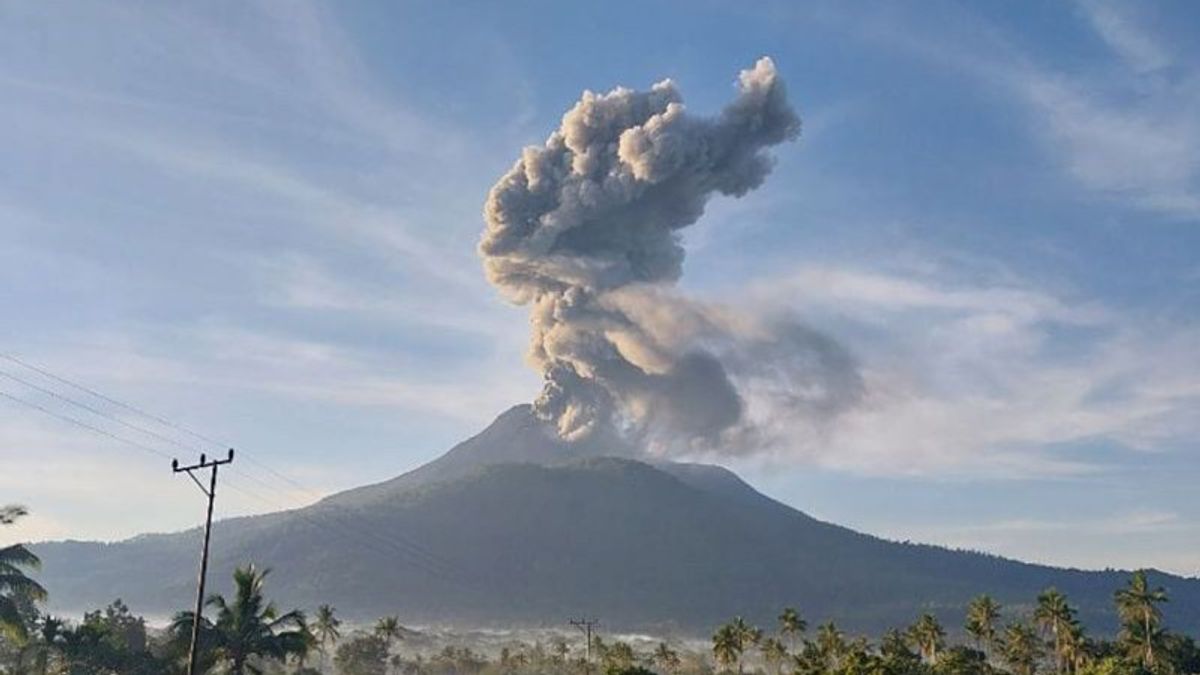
[1055, 616]
[929, 636]
[791, 625]
[664, 657]
[1137, 604]
[982, 615]
[325, 629]
[389, 629]
[747, 635]
[1074, 647]
[247, 627]
[1022, 648]
[15, 586]
[310, 643]
[774, 653]
[831, 644]
[727, 647]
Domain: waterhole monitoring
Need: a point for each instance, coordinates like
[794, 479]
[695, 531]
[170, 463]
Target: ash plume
[585, 230]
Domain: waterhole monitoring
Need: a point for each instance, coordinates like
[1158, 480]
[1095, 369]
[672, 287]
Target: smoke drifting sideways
[586, 231]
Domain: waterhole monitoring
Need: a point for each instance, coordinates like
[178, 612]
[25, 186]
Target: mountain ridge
[513, 527]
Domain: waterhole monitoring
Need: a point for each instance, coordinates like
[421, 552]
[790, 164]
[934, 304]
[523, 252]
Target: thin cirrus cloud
[976, 379]
[1121, 129]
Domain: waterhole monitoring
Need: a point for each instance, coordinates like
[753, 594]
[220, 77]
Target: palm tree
[774, 652]
[1074, 646]
[982, 615]
[727, 647]
[791, 625]
[731, 640]
[664, 657]
[1022, 648]
[929, 636]
[15, 586]
[747, 635]
[325, 629]
[1137, 604]
[310, 643]
[831, 644]
[1055, 616]
[389, 629]
[248, 627]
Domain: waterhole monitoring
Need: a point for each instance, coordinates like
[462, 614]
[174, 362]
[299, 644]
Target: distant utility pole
[211, 493]
[586, 626]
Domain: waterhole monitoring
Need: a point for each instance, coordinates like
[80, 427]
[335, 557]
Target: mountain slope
[511, 527]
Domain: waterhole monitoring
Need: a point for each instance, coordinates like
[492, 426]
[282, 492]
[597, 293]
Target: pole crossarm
[204, 463]
[586, 626]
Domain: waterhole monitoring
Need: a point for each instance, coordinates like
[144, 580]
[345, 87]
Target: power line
[400, 545]
[85, 425]
[109, 399]
[98, 413]
[424, 566]
[388, 548]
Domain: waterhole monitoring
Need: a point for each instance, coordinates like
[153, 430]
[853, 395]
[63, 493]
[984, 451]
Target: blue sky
[259, 221]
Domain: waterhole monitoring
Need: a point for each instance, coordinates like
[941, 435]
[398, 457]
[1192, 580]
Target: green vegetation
[247, 630]
[16, 589]
[247, 635]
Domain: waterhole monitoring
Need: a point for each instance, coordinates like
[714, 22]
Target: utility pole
[211, 493]
[585, 626]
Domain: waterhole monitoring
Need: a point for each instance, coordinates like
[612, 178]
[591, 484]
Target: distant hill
[512, 527]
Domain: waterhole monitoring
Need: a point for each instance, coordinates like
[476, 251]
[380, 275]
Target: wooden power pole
[211, 493]
[586, 626]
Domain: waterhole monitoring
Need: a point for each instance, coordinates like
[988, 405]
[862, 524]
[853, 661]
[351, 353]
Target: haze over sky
[259, 221]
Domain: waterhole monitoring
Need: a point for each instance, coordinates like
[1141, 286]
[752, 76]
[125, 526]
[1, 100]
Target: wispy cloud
[1118, 25]
[990, 379]
[1122, 129]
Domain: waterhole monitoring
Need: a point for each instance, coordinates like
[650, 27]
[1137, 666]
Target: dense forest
[244, 633]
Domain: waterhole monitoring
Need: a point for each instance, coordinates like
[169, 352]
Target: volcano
[516, 528]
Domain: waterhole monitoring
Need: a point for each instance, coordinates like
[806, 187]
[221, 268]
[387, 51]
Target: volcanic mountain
[515, 528]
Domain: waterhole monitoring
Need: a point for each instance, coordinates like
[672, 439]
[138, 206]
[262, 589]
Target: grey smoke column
[585, 230]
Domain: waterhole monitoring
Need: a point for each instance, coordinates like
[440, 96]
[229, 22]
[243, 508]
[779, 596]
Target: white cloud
[977, 379]
[1121, 129]
[1127, 132]
[1116, 24]
[1146, 150]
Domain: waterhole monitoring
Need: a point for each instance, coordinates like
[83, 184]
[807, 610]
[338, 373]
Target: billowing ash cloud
[585, 230]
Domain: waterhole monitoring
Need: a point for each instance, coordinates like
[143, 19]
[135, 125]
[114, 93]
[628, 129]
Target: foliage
[961, 660]
[629, 670]
[731, 641]
[363, 655]
[665, 658]
[1022, 648]
[929, 637]
[1137, 604]
[982, 614]
[389, 629]
[248, 629]
[1056, 617]
[791, 625]
[618, 657]
[16, 589]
